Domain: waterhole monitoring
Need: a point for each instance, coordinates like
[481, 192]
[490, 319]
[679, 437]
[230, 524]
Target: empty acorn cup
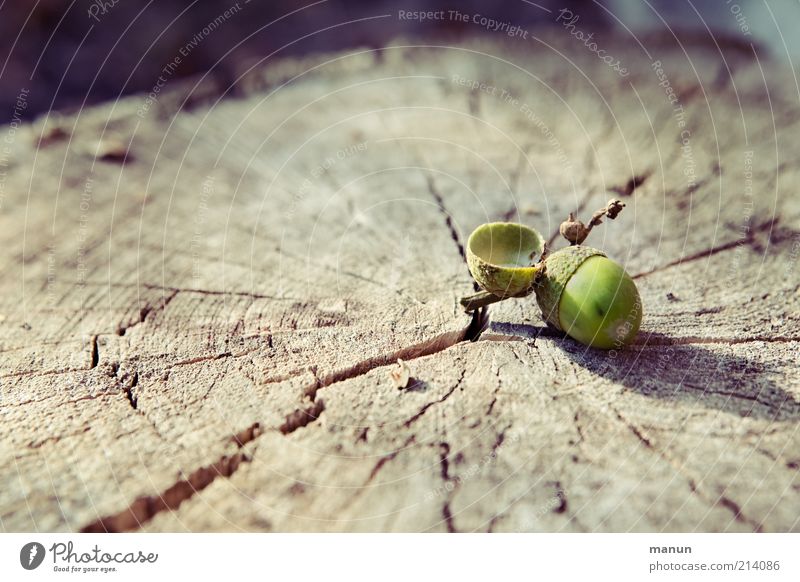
[501, 257]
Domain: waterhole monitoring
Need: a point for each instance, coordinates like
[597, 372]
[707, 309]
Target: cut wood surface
[201, 301]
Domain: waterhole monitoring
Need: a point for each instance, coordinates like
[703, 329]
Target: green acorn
[579, 290]
[590, 297]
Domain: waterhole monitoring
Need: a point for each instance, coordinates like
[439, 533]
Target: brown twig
[576, 232]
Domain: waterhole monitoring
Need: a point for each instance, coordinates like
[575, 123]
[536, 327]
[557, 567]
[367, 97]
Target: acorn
[589, 297]
[579, 290]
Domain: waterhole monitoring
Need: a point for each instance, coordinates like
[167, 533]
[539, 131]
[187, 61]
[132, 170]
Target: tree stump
[203, 295]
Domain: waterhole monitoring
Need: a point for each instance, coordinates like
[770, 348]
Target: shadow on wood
[662, 367]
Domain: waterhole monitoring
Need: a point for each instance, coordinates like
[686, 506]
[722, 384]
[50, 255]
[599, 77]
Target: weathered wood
[198, 338]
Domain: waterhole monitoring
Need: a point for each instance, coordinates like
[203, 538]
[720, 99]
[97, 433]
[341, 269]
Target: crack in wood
[428, 405]
[693, 257]
[498, 442]
[146, 507]
[774, 408]
[95, 353]
[386, 458]
[57, 438]
[199, 359]
[247, 435]
[154, 287]
[631, 185]
[132, 399]
[697, 340]
[748, 240]
[302, 417]
[448, 218]
[447, 512]
[723, 501]
[146, 310]
[734, 508]
[436, 344]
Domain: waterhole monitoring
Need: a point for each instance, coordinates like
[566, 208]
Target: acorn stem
[478, 300]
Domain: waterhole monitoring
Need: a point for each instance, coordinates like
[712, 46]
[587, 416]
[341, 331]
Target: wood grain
[197, 338]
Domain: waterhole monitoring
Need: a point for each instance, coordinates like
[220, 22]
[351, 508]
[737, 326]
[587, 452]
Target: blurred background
[68, 53]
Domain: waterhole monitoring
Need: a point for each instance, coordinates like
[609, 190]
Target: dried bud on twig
[576, 232]
[614, 207]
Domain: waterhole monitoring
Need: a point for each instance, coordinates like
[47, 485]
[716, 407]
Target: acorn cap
[558, 269]
[501, 257]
